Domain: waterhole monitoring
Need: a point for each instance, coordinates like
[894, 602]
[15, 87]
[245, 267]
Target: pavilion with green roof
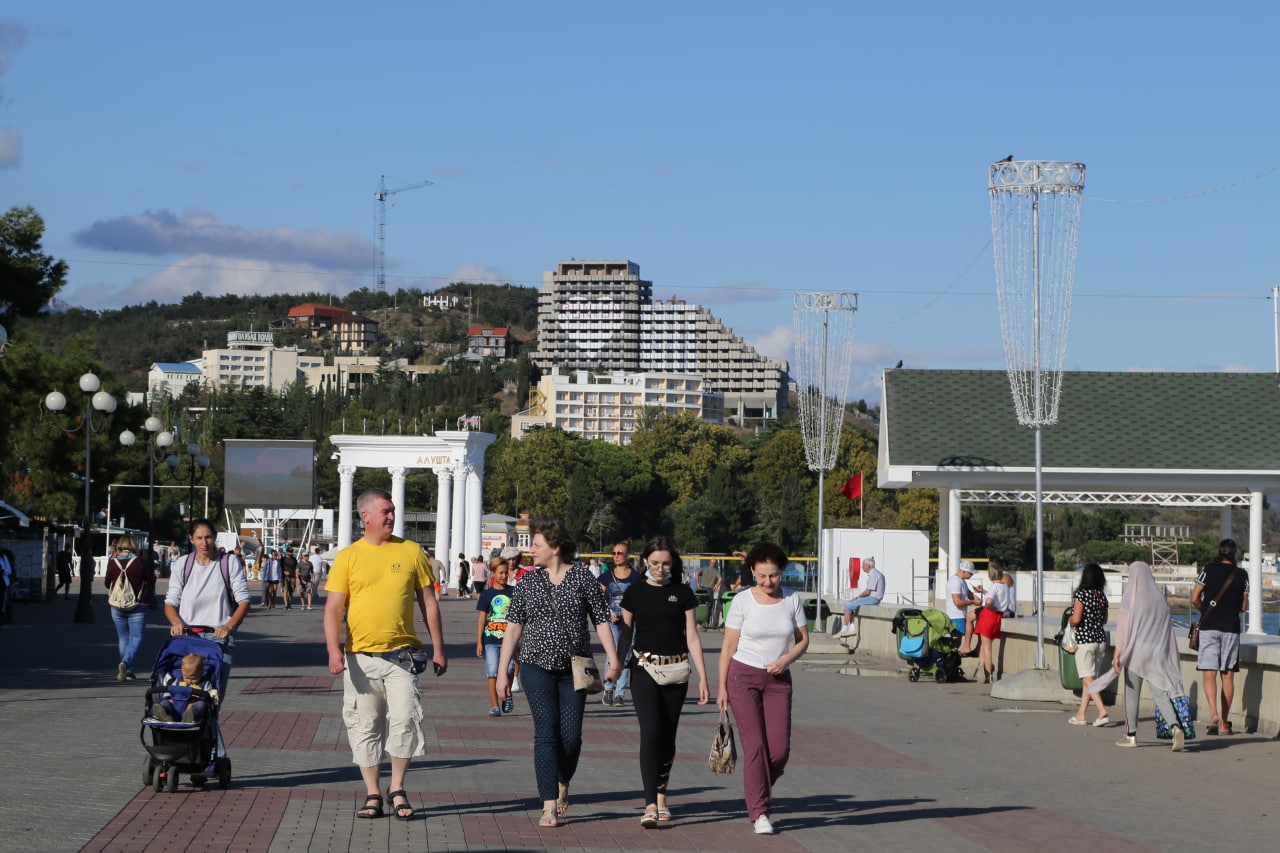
[1136, 439]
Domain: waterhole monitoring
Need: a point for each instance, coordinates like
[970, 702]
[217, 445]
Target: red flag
[853, 489]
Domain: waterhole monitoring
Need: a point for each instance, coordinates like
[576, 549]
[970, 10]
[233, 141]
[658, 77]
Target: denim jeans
[625, 678]
[557, 726]
[129, 628]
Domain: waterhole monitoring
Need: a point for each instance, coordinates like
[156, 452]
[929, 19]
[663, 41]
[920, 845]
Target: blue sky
[738, 151]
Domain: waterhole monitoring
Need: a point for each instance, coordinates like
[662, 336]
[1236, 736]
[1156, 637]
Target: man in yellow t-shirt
[376, 581]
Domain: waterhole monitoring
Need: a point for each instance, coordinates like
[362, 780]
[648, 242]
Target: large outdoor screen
[270, 474]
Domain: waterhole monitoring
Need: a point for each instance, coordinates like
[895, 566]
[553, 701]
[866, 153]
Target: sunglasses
[619, 553]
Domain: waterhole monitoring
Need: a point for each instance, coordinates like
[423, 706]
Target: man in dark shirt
[1221, 593]
[289, 573]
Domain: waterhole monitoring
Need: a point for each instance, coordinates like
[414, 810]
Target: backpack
[122, 596]
[223, 563]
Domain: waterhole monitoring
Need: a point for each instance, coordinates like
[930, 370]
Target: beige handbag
[724, 752]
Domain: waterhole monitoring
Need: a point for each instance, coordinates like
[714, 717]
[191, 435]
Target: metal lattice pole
[1035, 227]
[823, 324]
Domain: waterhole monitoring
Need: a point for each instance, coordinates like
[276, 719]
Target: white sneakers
[1128, 740]
[763, 826]
[1179, 738]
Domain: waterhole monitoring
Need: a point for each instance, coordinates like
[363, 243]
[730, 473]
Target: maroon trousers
[762, 708]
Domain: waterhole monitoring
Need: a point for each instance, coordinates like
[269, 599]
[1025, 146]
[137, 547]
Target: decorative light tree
[823, 325]
[1035, 227]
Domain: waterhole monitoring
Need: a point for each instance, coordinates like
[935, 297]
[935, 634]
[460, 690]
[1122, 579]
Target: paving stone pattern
[877, 763]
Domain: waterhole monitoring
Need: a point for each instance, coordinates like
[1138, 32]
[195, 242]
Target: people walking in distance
[658, 616]
[62, 564]
[1220, 593]
[615, 583]
[127, 567]
[479, 574]
[375, 582]
[764, 633]
[289, 575]
[491, 627]
[547, 621]
[306, 581]
[1089, 610]
[270, 572]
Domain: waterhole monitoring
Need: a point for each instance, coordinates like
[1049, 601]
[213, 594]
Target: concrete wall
[1257, 684]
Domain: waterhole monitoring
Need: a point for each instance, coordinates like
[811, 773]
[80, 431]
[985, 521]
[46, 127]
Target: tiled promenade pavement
[879, 763]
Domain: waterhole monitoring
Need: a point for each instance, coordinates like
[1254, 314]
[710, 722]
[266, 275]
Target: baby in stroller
[188, 694]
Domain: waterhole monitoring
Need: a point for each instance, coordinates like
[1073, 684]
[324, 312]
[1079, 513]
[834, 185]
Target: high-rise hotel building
[600, 315]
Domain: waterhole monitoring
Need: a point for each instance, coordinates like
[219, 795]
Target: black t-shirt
[1225, 615]
[658, 616]
[289, 566]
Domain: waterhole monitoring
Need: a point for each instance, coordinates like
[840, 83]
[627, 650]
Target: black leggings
[658, 710]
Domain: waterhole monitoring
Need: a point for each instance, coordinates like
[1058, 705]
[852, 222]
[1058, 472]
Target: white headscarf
[1144, 633]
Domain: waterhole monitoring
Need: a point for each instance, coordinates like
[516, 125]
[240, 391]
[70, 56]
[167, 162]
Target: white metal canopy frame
[823, 325]
[1035, 227]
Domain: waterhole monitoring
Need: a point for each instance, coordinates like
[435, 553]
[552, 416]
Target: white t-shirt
[768, 630]
[998, 595]
[956, 585]
[1011, 590]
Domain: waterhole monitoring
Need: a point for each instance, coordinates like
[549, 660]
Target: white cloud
[216, 276]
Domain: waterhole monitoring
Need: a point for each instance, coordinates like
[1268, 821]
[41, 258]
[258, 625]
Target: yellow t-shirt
[381, 584]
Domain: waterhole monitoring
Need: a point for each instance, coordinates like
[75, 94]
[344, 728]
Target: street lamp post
[155, 453]
[197, 464]
[101, 401]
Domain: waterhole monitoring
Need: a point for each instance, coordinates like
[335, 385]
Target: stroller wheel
[171, 781]
[157, 779]
[913, 675]
[224, 772]
[148, 772]
[940, 675]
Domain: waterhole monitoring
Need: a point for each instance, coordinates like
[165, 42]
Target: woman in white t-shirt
[764, 634]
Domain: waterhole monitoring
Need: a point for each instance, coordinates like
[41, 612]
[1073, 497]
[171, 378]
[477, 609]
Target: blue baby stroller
[927, 641]
[187, 747]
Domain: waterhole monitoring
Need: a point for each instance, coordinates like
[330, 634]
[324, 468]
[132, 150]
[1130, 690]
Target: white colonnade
[456, 457]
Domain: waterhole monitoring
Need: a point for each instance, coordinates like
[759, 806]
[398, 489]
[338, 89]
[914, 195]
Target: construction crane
[381, 197]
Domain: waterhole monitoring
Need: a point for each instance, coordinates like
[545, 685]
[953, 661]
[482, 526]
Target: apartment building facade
[608, 407]
[600, 315]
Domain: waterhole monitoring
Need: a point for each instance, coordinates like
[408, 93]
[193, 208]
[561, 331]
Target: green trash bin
[1067, 673]
[727, 600]
[816, 611]
[704, 606]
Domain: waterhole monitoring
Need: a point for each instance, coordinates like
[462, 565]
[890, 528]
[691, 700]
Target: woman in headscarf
[1146, 650]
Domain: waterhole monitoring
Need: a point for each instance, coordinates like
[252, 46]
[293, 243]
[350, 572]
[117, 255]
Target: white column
[458, 537]
[475, 513]
[944, 543]
[397, 499]
[346, 482]
[1224, 523]
[444, 512]
[954, 528]
[1255, 561]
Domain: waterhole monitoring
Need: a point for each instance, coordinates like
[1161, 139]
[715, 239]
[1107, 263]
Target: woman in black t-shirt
[663, 638]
